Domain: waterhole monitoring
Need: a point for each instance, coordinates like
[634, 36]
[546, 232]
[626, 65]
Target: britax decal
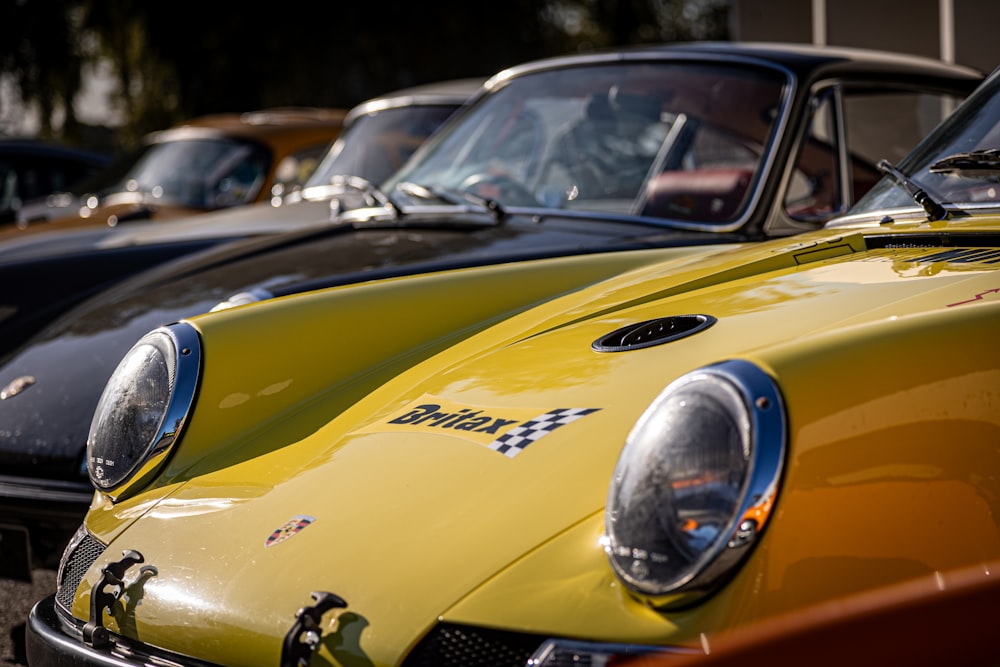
[505, 430]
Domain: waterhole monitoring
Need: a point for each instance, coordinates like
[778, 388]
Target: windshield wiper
[369, 190]
[934, 210]
[486, 205]
[985, 159]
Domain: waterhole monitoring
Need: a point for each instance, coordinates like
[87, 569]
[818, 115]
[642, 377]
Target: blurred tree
[609, 23]
[40, 50]
[183, 58]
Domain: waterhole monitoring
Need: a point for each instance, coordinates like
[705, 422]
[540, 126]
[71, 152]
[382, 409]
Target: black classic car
[651, 148]
[379, 135]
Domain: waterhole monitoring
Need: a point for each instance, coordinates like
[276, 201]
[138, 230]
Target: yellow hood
[479, 473]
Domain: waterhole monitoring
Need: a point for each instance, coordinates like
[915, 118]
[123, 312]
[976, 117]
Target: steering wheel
[500, 187]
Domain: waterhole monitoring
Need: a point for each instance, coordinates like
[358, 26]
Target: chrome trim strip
[49, 490]
[843, 154]
[53, 639]
[559, 652]
[879, 217]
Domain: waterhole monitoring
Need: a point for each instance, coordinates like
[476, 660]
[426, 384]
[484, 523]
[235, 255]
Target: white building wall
[952, 30]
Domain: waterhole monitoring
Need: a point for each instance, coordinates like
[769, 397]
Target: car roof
[451, 92]
[800, 59]
[41, 148]
[276, 122]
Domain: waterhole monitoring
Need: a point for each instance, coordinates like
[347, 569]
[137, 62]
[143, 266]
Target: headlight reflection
[695, 481]
[143, 407]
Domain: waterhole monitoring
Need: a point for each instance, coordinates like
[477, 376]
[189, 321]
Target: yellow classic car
[552, 462]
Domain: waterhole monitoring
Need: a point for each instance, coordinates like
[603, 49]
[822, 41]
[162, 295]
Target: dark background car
[204, 164]
[54, 379]
[31, 169]
[379, 135]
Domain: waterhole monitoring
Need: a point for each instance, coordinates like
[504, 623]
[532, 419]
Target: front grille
[79, 556]
[450, 645]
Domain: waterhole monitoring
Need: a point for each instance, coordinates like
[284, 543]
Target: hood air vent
[652, 332]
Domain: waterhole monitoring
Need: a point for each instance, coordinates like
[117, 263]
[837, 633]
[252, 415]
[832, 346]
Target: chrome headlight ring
[695, 483]
[144, 406]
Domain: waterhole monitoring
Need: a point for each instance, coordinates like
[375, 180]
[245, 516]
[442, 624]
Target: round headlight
[142, 409]
[695, 482]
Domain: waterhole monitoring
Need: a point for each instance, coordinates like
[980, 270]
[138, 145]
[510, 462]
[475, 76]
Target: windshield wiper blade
[487, 205]
[935, 211]
[985, 159]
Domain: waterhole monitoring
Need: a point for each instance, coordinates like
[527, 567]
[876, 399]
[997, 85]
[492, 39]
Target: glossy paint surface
[889, 475]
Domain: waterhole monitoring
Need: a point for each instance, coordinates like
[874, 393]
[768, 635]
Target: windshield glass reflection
[379, 143]
[630, 139]
[957, 165]
[199, 173]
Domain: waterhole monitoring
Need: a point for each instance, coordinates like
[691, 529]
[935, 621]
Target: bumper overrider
[55, 638]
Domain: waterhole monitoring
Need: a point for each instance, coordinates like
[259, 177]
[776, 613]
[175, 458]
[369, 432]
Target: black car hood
[63, 368]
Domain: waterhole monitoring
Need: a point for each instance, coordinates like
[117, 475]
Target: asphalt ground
[16, 600]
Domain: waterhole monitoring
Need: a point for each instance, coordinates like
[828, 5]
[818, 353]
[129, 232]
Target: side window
[877, 124]
[9, 200]
[886, 126]
[815, 192]
[27, 178]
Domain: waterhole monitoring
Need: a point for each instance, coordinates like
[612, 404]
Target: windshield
[958, 165]
[377, 144]
[627, 138]
[199, 173]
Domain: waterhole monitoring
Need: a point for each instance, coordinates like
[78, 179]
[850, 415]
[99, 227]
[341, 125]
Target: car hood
[105, 216]
[44, 428]
[414, 519]
[45, 238]
[249, 220]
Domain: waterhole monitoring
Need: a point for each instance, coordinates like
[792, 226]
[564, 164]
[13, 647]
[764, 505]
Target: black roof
[455, 91]
[41, 148]
[803, 60]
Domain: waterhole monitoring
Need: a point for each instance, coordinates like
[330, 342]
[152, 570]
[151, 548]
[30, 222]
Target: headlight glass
[142, 409]
[695, 482]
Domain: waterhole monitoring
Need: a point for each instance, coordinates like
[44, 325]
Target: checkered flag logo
[513, 442]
